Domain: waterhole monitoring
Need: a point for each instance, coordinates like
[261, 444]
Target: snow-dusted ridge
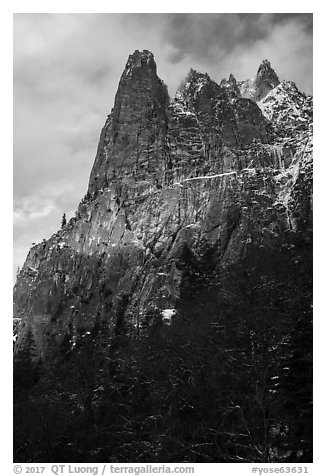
[287, 107]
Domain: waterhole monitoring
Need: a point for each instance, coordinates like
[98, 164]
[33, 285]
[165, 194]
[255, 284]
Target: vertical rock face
[208, 168]
[133, 138]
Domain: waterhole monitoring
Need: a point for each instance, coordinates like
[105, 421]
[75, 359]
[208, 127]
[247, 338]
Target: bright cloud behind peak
[66, 72]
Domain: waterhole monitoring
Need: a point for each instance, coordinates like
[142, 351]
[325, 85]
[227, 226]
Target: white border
[100, 6]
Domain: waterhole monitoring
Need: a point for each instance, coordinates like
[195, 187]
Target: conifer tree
[63, 221]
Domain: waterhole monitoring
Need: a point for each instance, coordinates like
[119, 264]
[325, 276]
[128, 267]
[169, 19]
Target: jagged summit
[198, 88]
[258, 87]
[266, 80]
[193, 82]
[231, 87]
[267, 73]
[140, 60]
[195, 75]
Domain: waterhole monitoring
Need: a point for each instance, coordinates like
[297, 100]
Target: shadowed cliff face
[205, 170]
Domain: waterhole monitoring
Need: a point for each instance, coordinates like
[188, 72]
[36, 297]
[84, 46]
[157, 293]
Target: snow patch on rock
[167, 315]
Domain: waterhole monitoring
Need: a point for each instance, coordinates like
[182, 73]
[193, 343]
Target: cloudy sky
[66, 71]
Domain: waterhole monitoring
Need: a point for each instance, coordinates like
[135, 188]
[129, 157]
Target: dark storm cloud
[202, 35]
[305, 18]
[198, 34]
[66, 71]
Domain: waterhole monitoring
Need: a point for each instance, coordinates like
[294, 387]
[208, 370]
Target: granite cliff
[170, 319]
[208, 168]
